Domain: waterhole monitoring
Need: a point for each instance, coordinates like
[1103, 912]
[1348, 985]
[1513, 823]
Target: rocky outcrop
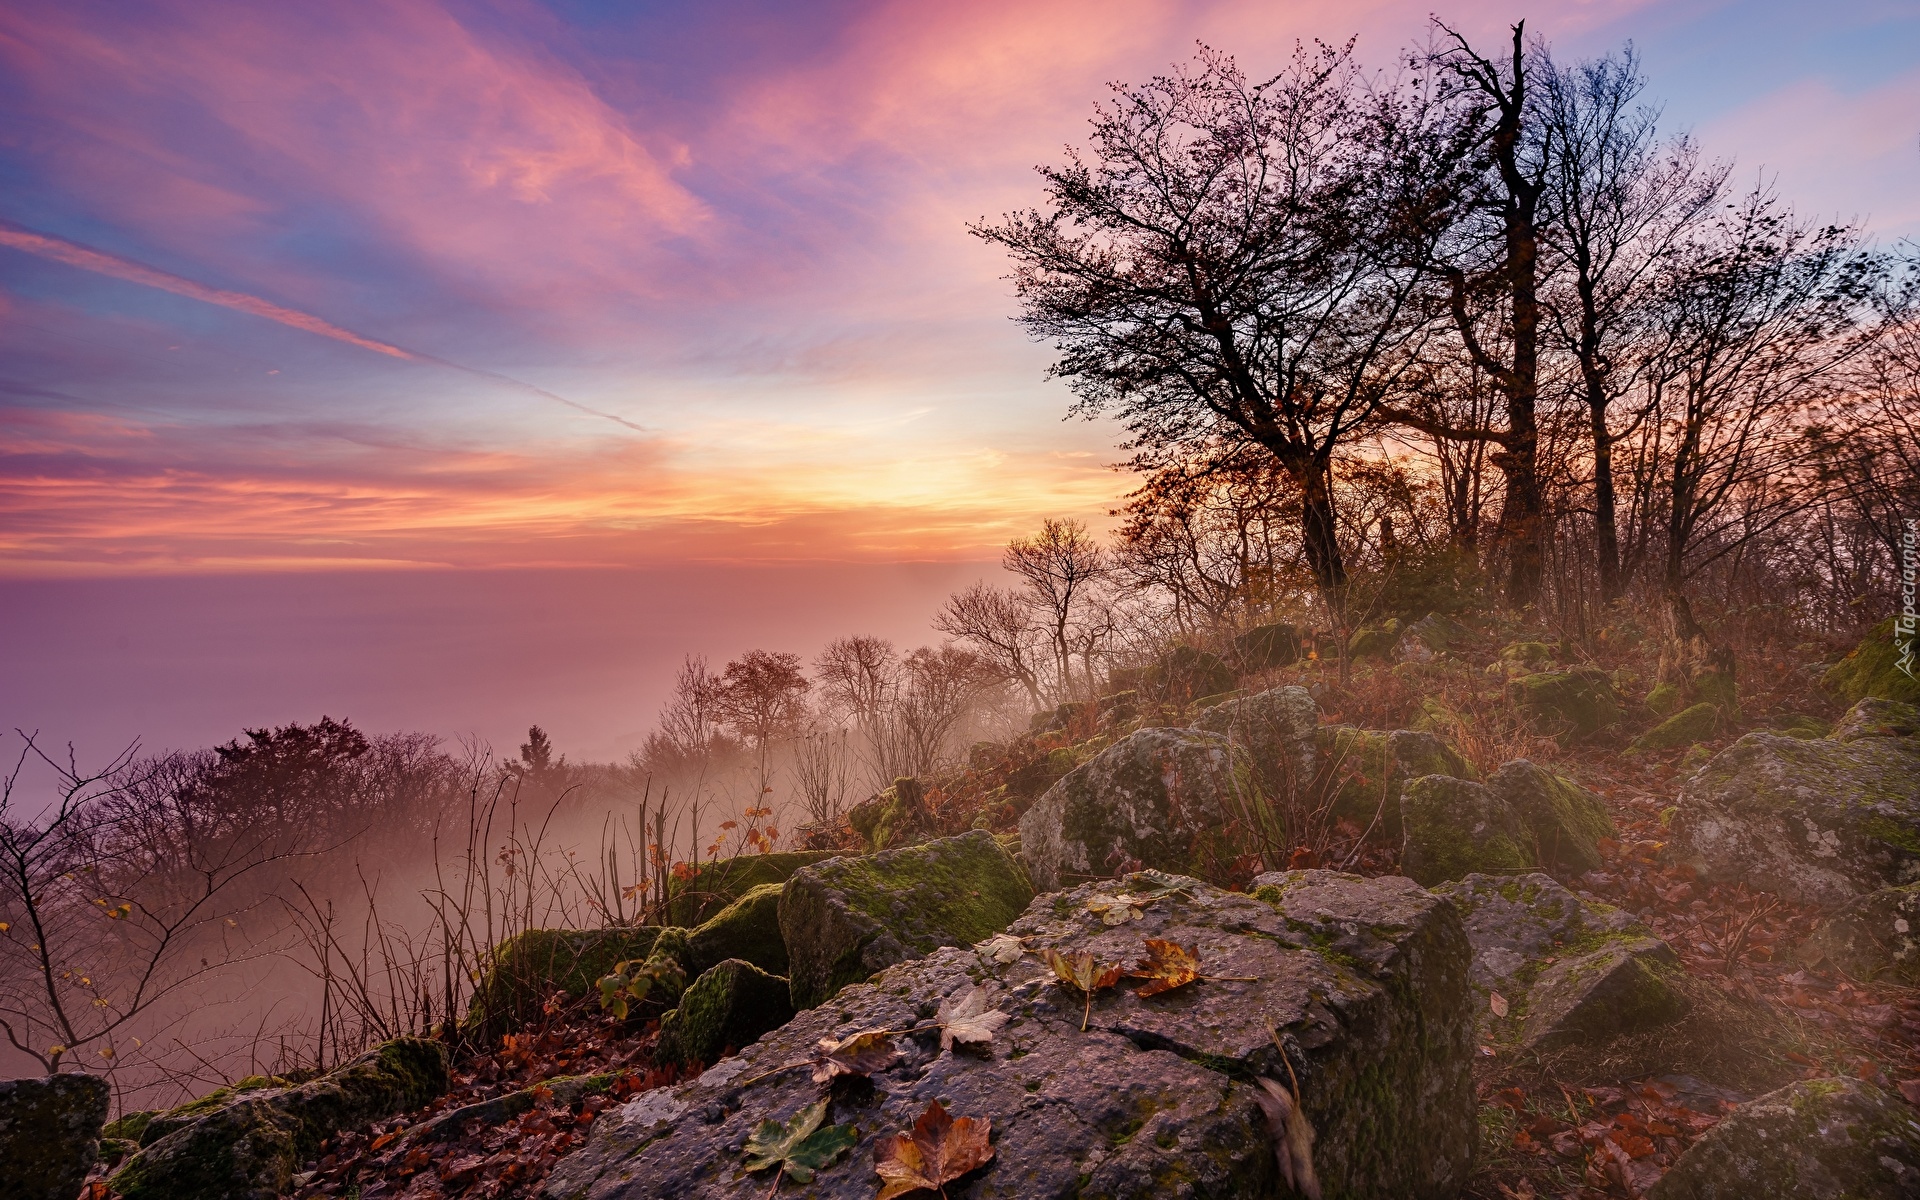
[1363, 981]
[1878, 718]
[733, 1003]
[846, 918]
[50, 1134]
[1565, 971]
[1267, 646]
[1569, 704]
[1455, 827]
[1187, 673]
[1277, 728]
[1368, 768]
[749, 929]
[1873, 669]
[248, 1148]
[1876, 936]
[527, 968]
[1158, 798]
[1816, 821]
[1565, 820]
[1820, 1139]
[891, 817]
[713, 885]
[1684, 728]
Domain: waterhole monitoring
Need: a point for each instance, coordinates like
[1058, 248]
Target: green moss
[1664, 700]
[525, 969]
[1568, 704]
[1455, 827]
[1684, 728]
[1894, 833]
[749, 929]
[1873, 669]
[129, 1125]
[714, 885]
[729, 1006]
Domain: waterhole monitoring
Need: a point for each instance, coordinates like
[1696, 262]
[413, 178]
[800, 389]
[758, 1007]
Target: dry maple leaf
[1292, 1136]
[1116, 910]
[1168, 966]
[1002, 948]
[968, 1020]
[1083, 973]
[857, 1054]
[1497, 1004]
[939, 1150]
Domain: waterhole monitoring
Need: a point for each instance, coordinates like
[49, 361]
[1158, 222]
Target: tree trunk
[1320, 533]
[1606, 522]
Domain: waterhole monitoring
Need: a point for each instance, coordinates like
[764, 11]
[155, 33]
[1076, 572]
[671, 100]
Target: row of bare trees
[1340, 312]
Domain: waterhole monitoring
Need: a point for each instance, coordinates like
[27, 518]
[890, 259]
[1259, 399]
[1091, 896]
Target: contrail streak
[86, 258]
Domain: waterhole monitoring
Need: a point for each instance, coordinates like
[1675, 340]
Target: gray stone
[1364, 980]
[1819, 1139]
[1874, 717]
[1623, 986]
[1277, 728]
[1816, 821]
[1516, 922]
[846, 918]
[1566, 820]
[1877, 936]
[248, 1149]
[50, 1134]
[1368, 769]
[1159, 798]
[1455, 827]
[1569, 704]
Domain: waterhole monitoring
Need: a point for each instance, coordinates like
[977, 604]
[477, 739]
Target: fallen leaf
[1116, 910]
[857, 1054]
[939, 1150]
[798, 1147]
[1498, 1004]
[1083, 973]
[1001, 948]
[969, 1021]
[1292, 1136]
[1167, 965]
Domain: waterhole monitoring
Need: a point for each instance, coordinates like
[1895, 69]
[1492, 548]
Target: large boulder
[1568, 704]
[248, 1148]
[1877, 718]
[1267, 646]
[1566, 820]
[893, 816]
[733, 1003]
[1816, 821]
[1455, 827]
[1368, 768]
[50, 1134]
[1187, 673]
[523, 971]
[1819, 1139]
[846, 918]
[749, 929]
[1277, 728]
[711, 886]
[1566, 971]
[1363, 981]
[1160, 798]
[1876, 936]
[1684, 728]
[1874, 668]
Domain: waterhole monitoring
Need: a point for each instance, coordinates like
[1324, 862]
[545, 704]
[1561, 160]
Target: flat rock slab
[1816, 821]
[1365, 982]
[1819, 1139]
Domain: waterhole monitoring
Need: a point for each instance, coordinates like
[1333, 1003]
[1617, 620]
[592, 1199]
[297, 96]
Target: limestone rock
[1877, 936]
[1684, 728]
[1454, 827]
[1569, 704]
[714, 885]
[1566, 820]
[1157, 797]
[1365, 981]
[248, 1148]
[846, 918]
[1368, 769]
[1277, 728]
[892, 817]
[1620, 987]
[731, 1004]
[50, 1134]
[1873, 669]
[525, 969]
[1819, 1139]
[1817, 821]
[1874, 717]
[1517, 922]
[749, 929]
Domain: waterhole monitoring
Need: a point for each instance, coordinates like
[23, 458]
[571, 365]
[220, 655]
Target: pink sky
[524, 286]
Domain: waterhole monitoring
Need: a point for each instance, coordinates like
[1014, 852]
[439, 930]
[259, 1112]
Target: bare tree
[762, 699]
[1062, 566]
[999, 625]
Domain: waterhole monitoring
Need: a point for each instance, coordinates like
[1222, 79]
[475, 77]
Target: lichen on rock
[1455, 827]
[749, 929]
[1566, 820]
[525, 969]
[846, 918]
[1819, 1139]
[1695, 724]
[1368, 769]
[711, 886]
[731, 1004]
[1876, 937]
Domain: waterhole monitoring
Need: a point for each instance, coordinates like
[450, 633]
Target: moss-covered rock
[1566, 820]
[1267, 646]
[50, 1134]
[247, 1149]
[1186, 673]
[1622, 986]
[1375, 641]
[1526, 658]
[1438, 633]
[129, 1126]
[1877, 718]
[1819, 1139]
[1684, 728]
[730, 1005]
[1518, 925]
[561, 1090]
[157, 1125]
[527, 968]
[749, 929]
[1874, 668]
[1817, 821]
[1367, 768]
[847, 918]
[1876, 937]
[1665, 699]
[891, 817]
[1567, 704]
[1277, 729]
[1160, 798]
[711, 886]
[1454, 827]
[1363, 979]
